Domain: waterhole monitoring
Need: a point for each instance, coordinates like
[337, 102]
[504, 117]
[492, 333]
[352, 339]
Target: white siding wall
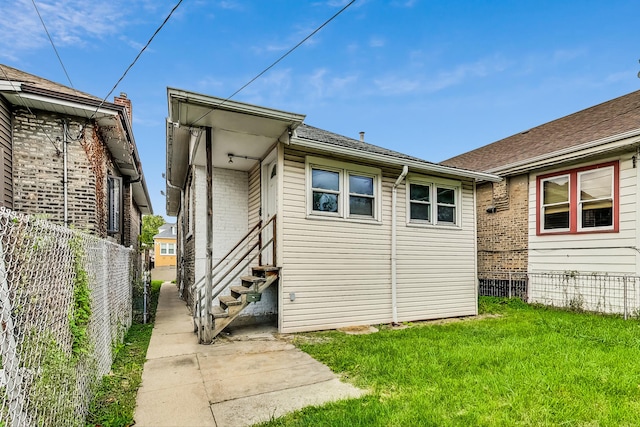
[340, 271]
[436, 265]
[589, 253]
[199, 227]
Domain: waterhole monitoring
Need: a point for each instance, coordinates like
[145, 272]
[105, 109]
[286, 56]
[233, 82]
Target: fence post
[10, 360]
[624, 281]
[509, 285]
[145, 295]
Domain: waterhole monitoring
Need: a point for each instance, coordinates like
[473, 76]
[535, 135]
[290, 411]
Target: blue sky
[428, 78]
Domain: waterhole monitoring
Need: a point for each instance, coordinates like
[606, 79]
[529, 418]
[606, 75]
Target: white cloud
[69, 22]
[423, 82]
[405, 3]
[324, 84]
[377, 42]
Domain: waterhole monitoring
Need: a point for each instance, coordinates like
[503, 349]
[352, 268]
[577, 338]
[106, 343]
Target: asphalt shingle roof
[315, 134]
[164, 231]
[10, 73]
[610, 118]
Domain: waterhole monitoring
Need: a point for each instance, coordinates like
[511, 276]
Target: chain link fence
[594, 292]
[65, 302]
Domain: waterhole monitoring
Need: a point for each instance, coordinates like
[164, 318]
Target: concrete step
[228, 301]
[219, 313]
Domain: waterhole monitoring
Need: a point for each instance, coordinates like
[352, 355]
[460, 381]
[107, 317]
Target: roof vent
[362, 136]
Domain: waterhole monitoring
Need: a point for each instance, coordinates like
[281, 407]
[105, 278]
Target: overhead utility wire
[136, 58]
[51, 41]
[24, 103]
[276, 62]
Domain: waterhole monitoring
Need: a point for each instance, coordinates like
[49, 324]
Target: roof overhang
[241, 132]
[414, 165]
[113, 125]
[608, 145]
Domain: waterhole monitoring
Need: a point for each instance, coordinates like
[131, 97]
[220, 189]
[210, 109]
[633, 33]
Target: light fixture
[230, 157]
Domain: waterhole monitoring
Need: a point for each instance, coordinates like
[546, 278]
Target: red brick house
[68, 156]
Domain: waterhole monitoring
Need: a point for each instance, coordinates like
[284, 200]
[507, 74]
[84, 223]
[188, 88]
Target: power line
[52, 44]
[276, 62]
[29, 109]
[136, 58]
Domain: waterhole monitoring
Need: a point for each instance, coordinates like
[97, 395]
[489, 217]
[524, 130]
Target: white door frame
[269, 199]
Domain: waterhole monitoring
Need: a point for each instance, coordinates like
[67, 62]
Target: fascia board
[414, 165]
[177, 95]
[592, 148]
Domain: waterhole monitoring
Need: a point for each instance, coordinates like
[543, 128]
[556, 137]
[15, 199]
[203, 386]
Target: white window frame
[544, 207]
[580, 202]
[434, 183]
[344, 170]
[167, 248]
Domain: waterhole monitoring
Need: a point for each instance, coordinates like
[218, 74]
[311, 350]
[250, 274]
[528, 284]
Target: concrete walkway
[237, 381]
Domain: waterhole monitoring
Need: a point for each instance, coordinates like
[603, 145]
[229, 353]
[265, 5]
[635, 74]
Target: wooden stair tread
[265, 268]
[219, 313]
[241, 289]
[229, 300]
[253, 279]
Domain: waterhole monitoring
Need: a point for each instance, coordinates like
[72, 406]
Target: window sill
[371, 221]
[434, 226]
[576, 233]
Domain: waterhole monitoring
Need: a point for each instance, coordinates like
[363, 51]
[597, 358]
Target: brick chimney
[126, 102]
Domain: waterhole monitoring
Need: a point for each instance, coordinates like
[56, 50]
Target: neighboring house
[354, 233]
[569, 198]
[70, 157]
[164, 246]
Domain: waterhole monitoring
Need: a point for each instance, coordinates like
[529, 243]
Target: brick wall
[230, 209]
[39, 171]
[503, 234]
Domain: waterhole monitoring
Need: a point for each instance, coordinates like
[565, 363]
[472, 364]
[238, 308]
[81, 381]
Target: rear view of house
[164, 246]
[567, 211]
[69, 157]
[311, 229]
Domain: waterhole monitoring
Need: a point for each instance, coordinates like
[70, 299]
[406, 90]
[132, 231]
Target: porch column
[208, 289]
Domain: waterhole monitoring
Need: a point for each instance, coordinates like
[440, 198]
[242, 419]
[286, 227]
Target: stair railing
[222, 274]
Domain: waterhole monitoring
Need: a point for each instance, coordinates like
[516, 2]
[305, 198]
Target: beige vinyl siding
[340, 270]
[436, 265]
[254, 195]
[6, 162]
[594, 252]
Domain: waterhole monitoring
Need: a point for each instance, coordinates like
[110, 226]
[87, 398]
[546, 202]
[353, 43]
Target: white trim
[579, 201]
[391, 160]
[434, 183]
[344, 170]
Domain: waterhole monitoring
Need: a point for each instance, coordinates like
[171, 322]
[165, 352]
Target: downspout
[65, 181]
[394, 248]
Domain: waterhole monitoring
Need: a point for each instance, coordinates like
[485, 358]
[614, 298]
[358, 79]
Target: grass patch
[115, 399]
[530, 366]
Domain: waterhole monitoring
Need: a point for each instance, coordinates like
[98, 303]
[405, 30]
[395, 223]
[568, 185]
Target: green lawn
[115, 399]
[530, 366]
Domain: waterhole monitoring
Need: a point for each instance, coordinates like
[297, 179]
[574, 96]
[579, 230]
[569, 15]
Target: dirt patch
[457, 319]
[359, 330]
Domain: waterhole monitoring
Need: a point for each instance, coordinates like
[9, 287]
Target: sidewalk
[252, 378]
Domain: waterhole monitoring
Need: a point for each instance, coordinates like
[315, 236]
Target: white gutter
[382, 158]
[571, 153]
[394, 244]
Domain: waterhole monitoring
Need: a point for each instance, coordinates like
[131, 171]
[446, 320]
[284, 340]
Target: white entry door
[269, 205]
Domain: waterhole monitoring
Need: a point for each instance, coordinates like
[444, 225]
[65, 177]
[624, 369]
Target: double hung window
[579, 200]
[343, 190]
[432, 203]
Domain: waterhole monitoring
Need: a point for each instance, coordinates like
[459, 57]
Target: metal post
[509, 285]
[145, 295]
[624, 281]
[208, 291]
[10, 360]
